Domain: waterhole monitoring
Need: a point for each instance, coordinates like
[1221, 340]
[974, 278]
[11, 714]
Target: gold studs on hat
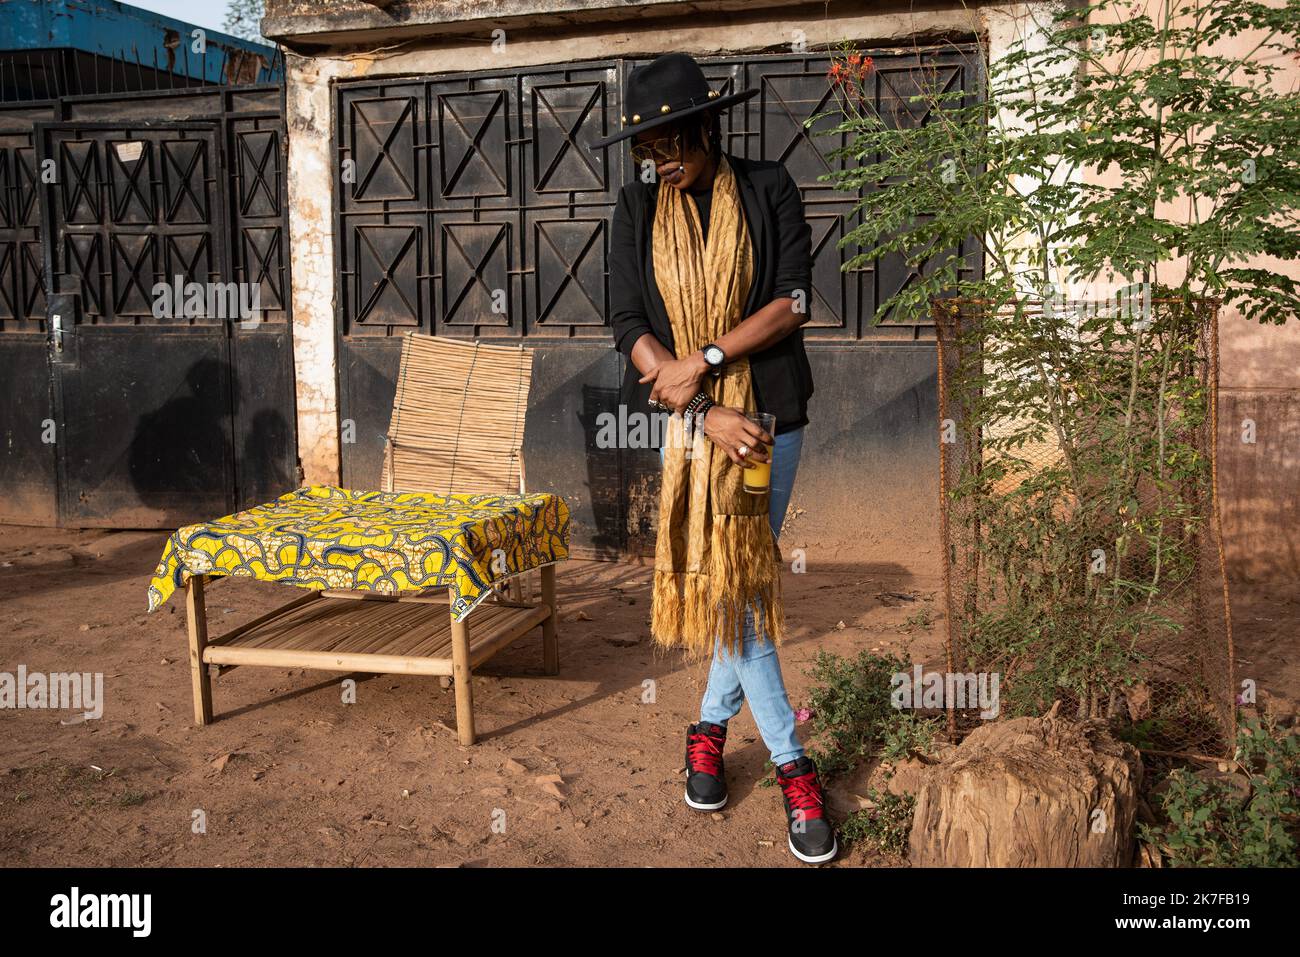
[665, 108]
[713, 94]
[636, 117]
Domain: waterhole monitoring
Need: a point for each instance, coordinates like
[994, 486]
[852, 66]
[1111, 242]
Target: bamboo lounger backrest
[458, 417]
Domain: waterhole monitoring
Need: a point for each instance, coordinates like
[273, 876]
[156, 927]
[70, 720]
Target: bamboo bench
[457, 426]
[370, 633]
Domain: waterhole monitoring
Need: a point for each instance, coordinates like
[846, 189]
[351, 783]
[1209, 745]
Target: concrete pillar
[311, 246]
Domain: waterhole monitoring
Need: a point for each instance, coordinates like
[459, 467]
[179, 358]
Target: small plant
[1210, 823]
[853, 718]
[885, 826]
[923, 620]
[131, 799]
[908, 734]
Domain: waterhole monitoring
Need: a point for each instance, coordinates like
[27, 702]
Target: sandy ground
[290, 775]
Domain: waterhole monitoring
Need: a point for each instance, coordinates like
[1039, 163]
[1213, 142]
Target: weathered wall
[1259, 445]
[1259, 380]
[309, 25]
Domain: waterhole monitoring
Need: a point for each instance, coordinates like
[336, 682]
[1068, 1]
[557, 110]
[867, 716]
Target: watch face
[713, 356]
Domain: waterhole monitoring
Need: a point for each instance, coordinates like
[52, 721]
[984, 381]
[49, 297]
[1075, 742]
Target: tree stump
[1029, 792]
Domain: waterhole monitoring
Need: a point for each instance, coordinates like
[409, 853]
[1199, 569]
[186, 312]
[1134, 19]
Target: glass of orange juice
[758, 476]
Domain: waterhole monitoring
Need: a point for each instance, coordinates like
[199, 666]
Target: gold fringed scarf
[715, 553]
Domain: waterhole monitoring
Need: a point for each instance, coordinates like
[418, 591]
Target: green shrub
[852, 717]
[886, 826]
[1209, 823]
[909, 733]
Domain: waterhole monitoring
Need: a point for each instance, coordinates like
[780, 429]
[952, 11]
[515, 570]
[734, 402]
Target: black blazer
[782, 244]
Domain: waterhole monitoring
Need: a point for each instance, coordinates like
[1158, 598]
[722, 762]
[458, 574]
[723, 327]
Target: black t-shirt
[703, 204]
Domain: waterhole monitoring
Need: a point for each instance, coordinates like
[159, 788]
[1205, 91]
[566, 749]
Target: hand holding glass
[758, 476]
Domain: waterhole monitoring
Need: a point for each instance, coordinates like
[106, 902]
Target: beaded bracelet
[696, 418]
[694, 405]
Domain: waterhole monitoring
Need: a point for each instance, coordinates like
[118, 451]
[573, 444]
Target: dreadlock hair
[705, 133]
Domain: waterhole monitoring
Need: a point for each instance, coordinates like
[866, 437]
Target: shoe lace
[804, 795]
[705, 754]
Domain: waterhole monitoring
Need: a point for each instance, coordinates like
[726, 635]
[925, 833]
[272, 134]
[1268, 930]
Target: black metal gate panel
[845, 305]
[27, 463]
[143, 400]
[470, 204]
[109, 415]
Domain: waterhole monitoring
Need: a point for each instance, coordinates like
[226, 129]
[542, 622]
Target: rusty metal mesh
[1082, 547]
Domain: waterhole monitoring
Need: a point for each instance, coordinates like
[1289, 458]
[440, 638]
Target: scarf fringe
[693, 610]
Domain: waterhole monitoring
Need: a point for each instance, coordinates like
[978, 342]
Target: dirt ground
[290, 775]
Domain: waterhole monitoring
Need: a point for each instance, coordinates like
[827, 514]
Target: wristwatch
[715, 357]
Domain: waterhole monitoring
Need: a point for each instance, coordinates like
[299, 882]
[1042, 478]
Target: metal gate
[27, 467]
[469, 204]
[154, 416]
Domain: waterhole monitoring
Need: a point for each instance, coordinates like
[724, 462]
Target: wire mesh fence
[1082, 547]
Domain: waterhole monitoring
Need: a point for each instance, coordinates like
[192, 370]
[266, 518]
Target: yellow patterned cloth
[388, 542]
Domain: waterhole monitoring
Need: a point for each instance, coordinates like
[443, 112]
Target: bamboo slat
[438, 597]
[483, 645]
[458, 417]
[250, 625]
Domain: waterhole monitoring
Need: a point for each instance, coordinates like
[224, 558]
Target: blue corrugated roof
[119, 31]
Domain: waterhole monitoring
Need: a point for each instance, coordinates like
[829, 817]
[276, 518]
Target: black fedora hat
[665, 90]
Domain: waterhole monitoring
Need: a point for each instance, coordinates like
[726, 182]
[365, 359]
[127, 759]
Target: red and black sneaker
[812, 838]
[706, 783]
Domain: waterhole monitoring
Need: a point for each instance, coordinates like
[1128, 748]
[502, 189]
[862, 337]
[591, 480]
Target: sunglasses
[659, 150]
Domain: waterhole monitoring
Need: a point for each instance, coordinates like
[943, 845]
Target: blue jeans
[755, 674]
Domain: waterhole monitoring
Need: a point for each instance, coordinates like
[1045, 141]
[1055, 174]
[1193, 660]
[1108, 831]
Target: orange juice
[758, 477]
